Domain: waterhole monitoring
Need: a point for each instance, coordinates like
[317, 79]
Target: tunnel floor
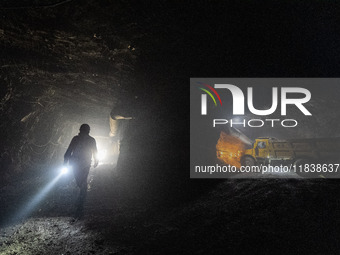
[273, 216]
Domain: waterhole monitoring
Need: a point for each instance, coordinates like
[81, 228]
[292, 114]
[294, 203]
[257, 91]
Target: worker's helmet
[84, 128]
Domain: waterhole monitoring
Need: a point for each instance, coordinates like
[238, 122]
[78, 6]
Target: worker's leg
[80, 175]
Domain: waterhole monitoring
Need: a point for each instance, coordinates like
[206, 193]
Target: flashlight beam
[32, 204]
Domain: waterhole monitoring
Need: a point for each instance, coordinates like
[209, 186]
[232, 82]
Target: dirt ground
[277, 216]
[110, 225]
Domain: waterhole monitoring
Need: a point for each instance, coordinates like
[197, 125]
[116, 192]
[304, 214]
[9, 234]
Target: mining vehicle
[267, 150]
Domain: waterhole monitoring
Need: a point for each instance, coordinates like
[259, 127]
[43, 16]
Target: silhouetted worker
[79, 155]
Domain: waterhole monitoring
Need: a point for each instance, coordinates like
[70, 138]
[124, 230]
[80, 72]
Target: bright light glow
[101, 154]
[64, 170]
[231, 146]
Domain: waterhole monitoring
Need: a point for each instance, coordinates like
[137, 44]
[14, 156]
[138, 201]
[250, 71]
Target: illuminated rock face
[56, 73]
[71, 65]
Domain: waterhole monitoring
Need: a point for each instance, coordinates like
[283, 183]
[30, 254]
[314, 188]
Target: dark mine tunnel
[123, 67]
